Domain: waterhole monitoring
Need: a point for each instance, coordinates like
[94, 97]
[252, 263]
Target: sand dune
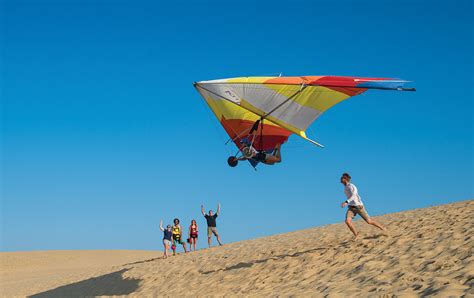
[427, 252]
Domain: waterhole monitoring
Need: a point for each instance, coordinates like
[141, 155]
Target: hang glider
[259, 113]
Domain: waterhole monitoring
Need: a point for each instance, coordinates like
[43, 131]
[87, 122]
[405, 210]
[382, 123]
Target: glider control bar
[260, 121]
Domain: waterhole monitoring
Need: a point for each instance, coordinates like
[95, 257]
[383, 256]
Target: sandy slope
[428, 252]
[25, 273]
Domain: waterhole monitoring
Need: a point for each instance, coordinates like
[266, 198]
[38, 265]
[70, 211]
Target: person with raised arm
[167, 234]
[211, 224]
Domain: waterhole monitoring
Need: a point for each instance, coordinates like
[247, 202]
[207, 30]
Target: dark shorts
[261, 156]
[177, 241]
[352, 211]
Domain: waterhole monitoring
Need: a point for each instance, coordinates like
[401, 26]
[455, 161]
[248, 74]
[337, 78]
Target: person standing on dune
[355, 206]
[177, 232]
[211, 224]
[167, 235]
[193, 235]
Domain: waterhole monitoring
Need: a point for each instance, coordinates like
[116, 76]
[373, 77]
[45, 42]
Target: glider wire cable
[302, 87]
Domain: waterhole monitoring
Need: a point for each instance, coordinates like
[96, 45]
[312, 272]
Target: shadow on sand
[105, 285]
[144, 261]
[250, 264]
[373, 237]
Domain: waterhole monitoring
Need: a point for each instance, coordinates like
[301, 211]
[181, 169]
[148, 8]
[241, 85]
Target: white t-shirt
[352, 195]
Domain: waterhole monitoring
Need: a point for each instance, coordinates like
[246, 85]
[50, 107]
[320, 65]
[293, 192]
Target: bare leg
[374, 223]
[184, 246]
[270, 160]
[278, 152]
[209, 241]
[352, 228]
[194, 243]
[219, 240]
[275, 157]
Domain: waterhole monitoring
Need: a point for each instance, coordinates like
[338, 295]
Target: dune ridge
[428, 251]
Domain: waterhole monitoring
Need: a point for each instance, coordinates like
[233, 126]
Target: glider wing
[288, 104]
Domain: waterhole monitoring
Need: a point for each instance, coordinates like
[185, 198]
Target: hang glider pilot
[264, 157]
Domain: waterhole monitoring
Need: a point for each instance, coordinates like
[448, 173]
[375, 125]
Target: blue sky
[103, 133]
